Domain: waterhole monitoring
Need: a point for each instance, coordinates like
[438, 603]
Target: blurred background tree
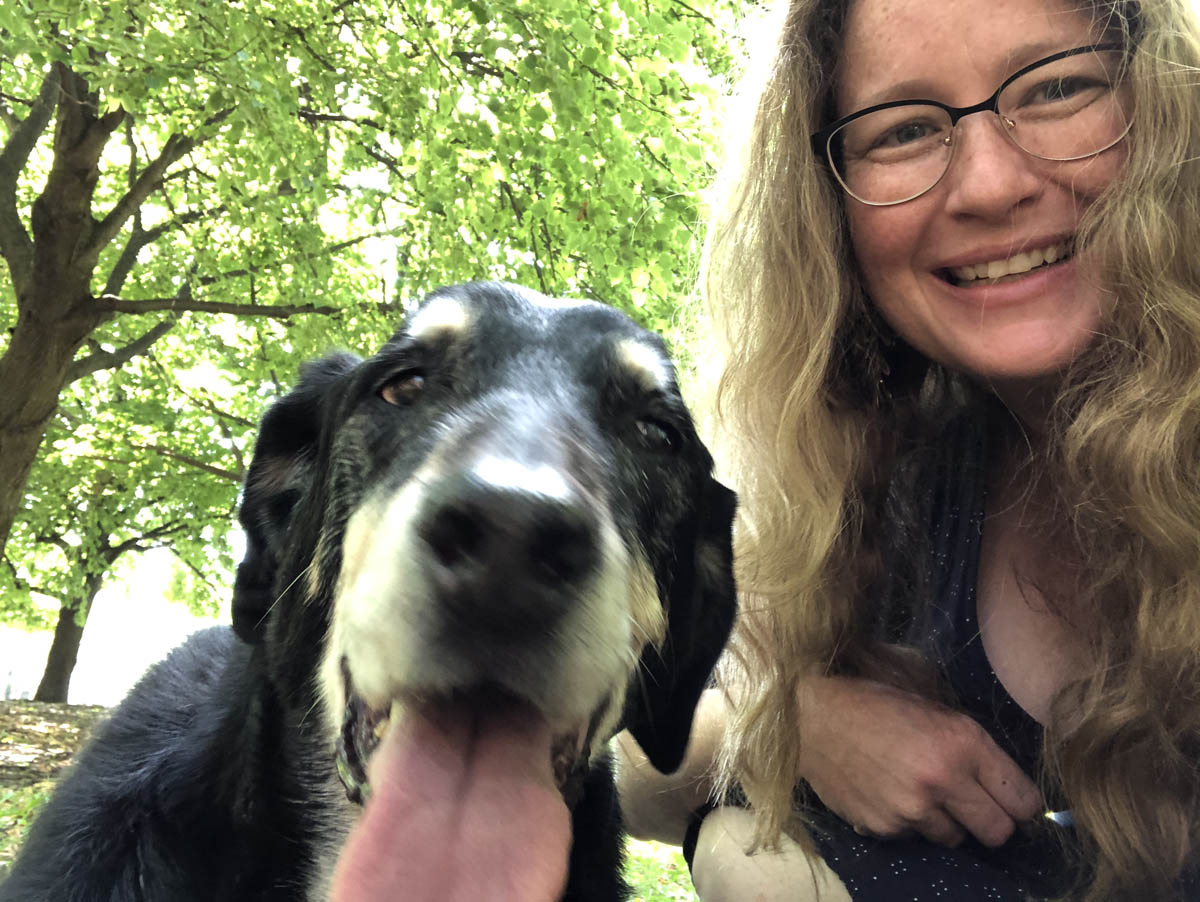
[195, 196]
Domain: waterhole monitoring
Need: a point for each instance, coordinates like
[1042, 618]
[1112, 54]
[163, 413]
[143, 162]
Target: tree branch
[311, 116]
[15, 244]
[57, 541]
[112, 552]
[192, 462]
[184, 301]
[139, 238]
[384, 158]
[20, 145]
[322, 252]
[26, 586]
[695, 12]
[165, 452]
[147, 181]
[107, 360]
[11, 122]
[203, 577]
[187, 303]
[206, 404]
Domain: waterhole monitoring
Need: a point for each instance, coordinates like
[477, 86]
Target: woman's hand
[890, 762]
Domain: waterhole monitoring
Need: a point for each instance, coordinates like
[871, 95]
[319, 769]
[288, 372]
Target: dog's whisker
[311, 709]
[303, 571]
[642, 675]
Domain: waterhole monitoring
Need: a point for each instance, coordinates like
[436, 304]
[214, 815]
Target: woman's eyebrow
[924, 87]
[913, 88]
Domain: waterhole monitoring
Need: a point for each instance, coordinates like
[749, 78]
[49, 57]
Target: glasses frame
[821, 140]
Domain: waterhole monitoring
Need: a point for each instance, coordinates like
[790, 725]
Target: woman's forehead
[944, 50]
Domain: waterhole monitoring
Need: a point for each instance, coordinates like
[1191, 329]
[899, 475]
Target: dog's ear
[280, 474]
[702, 602]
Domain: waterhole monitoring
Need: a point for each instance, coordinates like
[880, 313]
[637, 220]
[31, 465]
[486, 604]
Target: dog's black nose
[507, 558]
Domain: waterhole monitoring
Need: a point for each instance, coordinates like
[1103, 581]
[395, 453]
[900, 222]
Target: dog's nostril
[562, 548]
[494, 542]
[455, 534]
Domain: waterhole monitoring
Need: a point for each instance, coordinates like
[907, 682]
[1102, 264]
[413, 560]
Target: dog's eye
[402, 390]
[657, 435]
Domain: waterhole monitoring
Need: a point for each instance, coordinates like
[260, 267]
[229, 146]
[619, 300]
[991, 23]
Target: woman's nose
[990, 175]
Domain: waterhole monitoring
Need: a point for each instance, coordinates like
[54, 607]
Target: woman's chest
[1023, 602]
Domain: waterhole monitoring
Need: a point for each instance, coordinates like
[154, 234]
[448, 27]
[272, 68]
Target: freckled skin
[994, 194]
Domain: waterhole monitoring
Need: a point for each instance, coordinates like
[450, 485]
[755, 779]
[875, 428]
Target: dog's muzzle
[504, 561]
[503, 551]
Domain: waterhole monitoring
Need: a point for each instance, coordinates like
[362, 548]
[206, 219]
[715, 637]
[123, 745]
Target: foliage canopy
[194, 196]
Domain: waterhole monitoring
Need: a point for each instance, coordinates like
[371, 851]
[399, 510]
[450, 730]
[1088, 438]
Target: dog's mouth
[454, 786]
[364, 728]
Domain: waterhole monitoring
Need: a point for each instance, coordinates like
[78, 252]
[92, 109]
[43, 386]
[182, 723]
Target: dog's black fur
[216, 779]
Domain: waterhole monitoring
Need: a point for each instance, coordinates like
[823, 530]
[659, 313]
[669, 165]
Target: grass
[656, 872]
[17, 808]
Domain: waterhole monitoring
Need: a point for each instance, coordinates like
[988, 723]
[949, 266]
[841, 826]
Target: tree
[198, 180]
[123, 496]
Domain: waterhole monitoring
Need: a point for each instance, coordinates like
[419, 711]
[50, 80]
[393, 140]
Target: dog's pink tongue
[463, 807]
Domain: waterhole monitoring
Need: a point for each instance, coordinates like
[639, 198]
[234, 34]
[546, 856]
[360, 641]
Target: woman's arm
[890, 763]
[886, 761]
[657, 806]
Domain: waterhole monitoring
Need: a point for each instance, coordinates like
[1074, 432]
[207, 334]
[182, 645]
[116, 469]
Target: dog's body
[503, 517]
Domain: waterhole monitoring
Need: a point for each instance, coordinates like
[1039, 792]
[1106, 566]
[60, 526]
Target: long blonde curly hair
[804, 430]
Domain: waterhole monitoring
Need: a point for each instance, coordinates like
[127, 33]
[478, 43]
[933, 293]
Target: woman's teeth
[1020, 263]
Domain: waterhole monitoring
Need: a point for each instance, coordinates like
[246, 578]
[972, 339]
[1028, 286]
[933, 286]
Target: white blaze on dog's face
[646, 364]
[445, 316]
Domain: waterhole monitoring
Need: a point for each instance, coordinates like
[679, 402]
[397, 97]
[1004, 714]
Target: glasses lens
[892, 154]
[1070, 108]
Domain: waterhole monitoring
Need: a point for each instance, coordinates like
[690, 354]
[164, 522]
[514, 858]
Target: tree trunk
[33, 371]
[51, 273]
[64, 650]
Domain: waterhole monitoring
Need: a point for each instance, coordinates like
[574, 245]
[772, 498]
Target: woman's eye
[1074, 88]
[403, 389]
[657, 435]
[905, 134]
[1060, 89]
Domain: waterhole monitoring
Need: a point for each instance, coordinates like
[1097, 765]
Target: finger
[1008, 785]
[873, 826]
[979, 814]
[939, 827]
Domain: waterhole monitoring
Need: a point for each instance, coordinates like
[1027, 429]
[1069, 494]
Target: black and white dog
[484, 550]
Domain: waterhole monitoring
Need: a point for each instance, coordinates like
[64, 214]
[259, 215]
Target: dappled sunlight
[37, 740]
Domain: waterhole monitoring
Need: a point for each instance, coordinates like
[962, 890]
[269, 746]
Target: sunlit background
[130, 627]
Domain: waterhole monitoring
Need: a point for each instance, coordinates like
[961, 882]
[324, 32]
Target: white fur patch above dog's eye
[646, 364]
[507, 473]
[438, 317]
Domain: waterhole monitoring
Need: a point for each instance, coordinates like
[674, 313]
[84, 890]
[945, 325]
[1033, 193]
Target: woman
[961, 403]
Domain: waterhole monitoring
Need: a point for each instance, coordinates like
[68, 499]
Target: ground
[37, 741]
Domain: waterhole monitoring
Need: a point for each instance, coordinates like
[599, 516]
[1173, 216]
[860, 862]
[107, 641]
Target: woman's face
[994, 202]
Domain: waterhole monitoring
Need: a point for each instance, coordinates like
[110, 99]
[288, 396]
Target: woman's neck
[1031, 403]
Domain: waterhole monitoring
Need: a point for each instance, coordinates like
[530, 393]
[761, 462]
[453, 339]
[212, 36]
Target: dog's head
[507, 504]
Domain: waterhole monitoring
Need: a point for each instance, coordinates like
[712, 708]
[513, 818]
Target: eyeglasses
[1068, 106]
